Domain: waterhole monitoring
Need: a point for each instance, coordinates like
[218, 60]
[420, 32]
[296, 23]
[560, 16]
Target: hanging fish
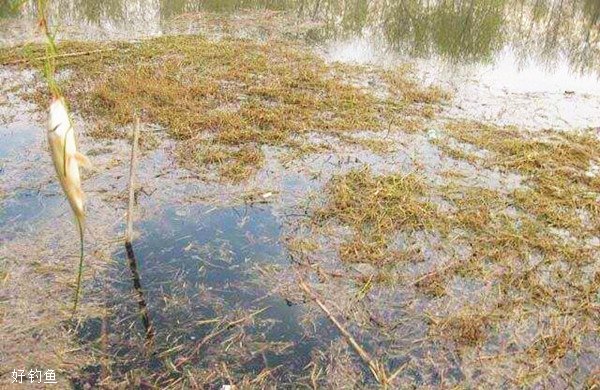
[67, 160]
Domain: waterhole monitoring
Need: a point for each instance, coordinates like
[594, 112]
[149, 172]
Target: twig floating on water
[376, 367]
[65, 55]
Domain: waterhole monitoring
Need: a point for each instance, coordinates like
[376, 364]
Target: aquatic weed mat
[496, 285]
[223, 100]
[453, 282]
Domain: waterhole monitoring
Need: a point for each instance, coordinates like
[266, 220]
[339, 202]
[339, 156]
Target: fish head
[58, 118]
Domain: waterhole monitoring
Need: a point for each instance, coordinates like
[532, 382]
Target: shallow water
[22, 199]
[198, 263]
[196, 266]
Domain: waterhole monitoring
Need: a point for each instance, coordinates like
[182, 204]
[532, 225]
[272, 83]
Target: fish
[67, 160]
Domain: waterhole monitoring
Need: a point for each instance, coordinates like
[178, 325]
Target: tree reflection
[458, 30]
[95, 11]
[472, 30]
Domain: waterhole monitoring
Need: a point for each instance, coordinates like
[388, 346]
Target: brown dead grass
[233, 163]
[402, 83]
[232, 92]
[432, 285]
[466, 328]
[556, 166]
[375, 207]
[530, 247]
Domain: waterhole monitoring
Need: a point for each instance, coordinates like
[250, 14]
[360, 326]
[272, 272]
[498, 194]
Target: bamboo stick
[135, 276]
[132, 167]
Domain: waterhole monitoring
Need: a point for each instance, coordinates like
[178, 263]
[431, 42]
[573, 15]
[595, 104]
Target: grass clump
[465, 328]
[379, 146]
[454, 151]
[432, 285]
[498, 232]
[492, 224]
[418, 101]
[235, 92]
[375, 207]
[561, 190]
[402, 83]
[553, 344]
[232, 163]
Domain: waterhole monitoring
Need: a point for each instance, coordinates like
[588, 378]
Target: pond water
[532, 63]
[543, 31]
[200, 269]
[26, 200]
[193, 271]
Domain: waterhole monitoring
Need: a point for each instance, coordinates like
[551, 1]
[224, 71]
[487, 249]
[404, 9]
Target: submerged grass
[402, 83]
[533, 250]
[375, 207]
[563, 191]
[233, 163]
[378, 206]
[465, 328]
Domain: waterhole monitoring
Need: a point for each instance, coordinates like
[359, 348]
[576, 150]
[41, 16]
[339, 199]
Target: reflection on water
[545, 31]
[137, 286]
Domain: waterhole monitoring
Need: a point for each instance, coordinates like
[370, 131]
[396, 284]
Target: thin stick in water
[137, 284]
[132, 168]
[376, 368]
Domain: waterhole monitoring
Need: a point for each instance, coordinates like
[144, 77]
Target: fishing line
[80, 272]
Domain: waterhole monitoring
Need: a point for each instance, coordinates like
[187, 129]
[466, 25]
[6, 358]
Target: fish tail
[80, 224]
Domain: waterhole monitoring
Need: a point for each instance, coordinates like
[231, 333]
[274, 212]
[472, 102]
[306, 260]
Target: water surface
[196, 269]
[546, 32]
[533, 63]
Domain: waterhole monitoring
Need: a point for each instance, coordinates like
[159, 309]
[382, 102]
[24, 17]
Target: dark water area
[191, 272]
[545, 32]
